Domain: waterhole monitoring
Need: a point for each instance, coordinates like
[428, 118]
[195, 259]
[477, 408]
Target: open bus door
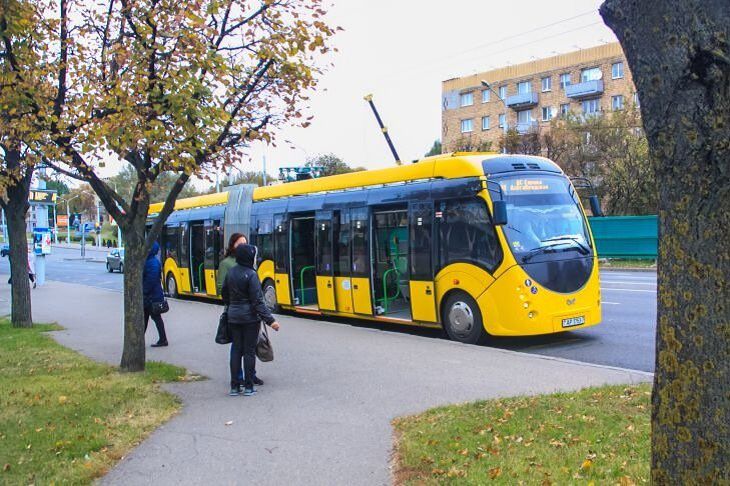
[324, 261]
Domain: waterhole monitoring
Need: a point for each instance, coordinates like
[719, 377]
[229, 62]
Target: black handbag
[223, 334]
[264, 350]
[158, 308]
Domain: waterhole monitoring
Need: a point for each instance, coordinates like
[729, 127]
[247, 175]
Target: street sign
[39, 196]
[62, 220]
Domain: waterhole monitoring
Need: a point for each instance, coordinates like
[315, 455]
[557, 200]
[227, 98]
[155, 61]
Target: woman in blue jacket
[152, 292]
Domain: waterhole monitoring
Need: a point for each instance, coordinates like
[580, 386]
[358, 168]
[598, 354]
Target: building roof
[569, 59]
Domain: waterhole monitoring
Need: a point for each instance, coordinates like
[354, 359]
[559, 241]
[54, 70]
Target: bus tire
[171, 286]
[270, 296]
[462, 319]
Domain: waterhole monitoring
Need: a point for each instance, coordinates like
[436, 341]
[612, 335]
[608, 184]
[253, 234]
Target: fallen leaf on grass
[495, 472]
[62, 399]
[586, 465]
[626, 481]
[6, 468]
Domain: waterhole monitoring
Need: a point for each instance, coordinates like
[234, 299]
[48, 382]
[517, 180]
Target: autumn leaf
[586, 465]
[62, 399]
[495, 472]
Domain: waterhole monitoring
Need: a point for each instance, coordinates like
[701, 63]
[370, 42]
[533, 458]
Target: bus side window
[171, 243]
[264, 238]
[467, 234]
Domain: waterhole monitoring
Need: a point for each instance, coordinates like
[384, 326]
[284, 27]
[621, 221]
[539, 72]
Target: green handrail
[385, 298]
[201, 269]
[301, 281]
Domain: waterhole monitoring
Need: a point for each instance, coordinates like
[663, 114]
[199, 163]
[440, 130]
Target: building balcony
[526, 127]
[584, 90]
[522, 100]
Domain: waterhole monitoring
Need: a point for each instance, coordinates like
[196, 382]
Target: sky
[400, 51]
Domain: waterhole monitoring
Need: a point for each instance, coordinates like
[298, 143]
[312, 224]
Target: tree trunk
[15, 212]
[133, 354]
[679, 54]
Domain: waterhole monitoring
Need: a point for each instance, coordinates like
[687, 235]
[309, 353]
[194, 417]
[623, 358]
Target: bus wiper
[539, 249]
[583, 249]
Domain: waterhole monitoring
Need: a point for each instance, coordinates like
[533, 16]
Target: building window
[591, 107]
[564, 109]
[546, 83]
[467, 99]
[502, 92]
[524, 116]
[547, 113]
[617, 70]
[485, 123]
[636, 99]
[617, 102]
[564, 80]
[466, 126]
[524, 87]
[590, 74]
[485, 95]
[502, 120]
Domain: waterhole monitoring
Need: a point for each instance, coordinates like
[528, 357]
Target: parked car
[115, 260]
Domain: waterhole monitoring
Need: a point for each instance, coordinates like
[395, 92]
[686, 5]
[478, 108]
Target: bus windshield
[544, 219]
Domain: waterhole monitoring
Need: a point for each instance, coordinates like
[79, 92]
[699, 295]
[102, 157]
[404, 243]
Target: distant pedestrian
[243, 295]
[228, 262]
[152, 293]
[31, 265]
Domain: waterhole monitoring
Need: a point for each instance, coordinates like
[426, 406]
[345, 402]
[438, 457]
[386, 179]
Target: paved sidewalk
[323, 416]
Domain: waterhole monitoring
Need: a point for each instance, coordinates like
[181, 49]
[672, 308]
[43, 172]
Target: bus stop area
[323, 416]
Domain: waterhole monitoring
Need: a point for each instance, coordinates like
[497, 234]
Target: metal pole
[506, 124]
[98, 222]
[68, 224]
[83, 236]
[264, 173]
[369, 99]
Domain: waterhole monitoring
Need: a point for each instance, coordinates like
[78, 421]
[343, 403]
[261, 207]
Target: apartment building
[528, 96]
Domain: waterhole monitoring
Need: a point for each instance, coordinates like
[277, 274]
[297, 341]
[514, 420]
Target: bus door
[361, 269]
[303, 281]
[341, 236]
[212, 252]
[197, 257]
[324, 261]
[423, 291]
[281, 259]
[184, 258]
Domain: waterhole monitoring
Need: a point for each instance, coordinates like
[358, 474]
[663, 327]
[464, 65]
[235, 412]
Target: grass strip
[593, 436]
[66, 418]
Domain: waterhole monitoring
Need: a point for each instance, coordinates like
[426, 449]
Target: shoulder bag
[158, 308]
[223, 334]
[264, 350]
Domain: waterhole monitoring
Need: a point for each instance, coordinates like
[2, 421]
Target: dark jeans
[240, 375]
[157, 318]
[245, 337]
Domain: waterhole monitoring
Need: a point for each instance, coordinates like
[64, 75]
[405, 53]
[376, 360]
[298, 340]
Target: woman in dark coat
[244, 297]
[152, 292]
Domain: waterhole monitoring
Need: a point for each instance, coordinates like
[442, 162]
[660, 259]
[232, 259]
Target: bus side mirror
[595, 205]
[500, 212]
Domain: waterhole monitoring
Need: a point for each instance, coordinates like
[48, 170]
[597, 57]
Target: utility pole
[263, 176]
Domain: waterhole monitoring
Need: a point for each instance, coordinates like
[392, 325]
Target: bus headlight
[526, 305]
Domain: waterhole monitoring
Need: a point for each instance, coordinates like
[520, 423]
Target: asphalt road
[624, 339]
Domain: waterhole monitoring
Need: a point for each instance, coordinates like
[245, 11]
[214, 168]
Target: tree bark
[133, 353]
[679, 54]
[16, 208]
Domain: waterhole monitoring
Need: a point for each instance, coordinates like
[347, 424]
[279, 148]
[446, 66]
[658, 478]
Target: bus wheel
[171, 286]
[270, 296]
[462, 319]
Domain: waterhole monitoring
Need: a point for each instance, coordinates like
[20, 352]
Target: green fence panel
[626, 236]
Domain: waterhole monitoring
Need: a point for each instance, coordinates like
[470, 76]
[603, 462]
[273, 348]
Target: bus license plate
[574, 321]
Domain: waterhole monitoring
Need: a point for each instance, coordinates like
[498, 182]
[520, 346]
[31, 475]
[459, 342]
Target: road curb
[626, 269]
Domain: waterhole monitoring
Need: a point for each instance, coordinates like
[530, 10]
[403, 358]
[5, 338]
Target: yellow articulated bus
[478, 243]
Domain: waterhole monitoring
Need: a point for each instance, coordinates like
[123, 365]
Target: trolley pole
[369, 99]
